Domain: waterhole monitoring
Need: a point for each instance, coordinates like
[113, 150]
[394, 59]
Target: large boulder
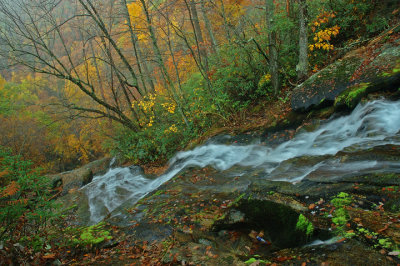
[367, 69]
[77, 178]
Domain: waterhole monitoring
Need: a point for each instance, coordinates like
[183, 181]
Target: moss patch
[351, 96]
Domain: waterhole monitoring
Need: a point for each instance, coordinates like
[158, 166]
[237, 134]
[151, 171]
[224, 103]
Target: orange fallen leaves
[282, 259]
[49, 256]
[384, 228]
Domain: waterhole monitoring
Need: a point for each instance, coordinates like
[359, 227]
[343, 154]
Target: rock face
[75, 179]
[368, 69]
[210, 215]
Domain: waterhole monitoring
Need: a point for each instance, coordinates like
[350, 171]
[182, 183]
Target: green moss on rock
[351, 96]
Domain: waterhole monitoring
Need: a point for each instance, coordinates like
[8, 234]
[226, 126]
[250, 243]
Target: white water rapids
[372, 124]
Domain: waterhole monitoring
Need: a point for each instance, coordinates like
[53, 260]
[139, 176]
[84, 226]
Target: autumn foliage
[141, 79]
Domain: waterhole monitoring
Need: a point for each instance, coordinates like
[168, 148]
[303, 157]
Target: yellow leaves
[172, 129]
[264, 79]
[151, 121]
[327, 46]
[322, 38]
[147, 103]
[170, 107]
[267, 77]
[135, 12]
[2, 82]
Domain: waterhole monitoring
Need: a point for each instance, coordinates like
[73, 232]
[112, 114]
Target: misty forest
[199, 132]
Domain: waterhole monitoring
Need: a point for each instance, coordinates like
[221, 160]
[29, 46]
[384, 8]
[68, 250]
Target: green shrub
[236, 76]
[163, 132]
[25, 205]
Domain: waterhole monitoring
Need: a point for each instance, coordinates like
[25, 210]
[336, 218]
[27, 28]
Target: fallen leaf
[49, 256]
[282, 259]
[341, 240]
[383, 229]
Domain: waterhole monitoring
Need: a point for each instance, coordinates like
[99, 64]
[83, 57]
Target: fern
[16, 202]
[3, 173]
[11, 189]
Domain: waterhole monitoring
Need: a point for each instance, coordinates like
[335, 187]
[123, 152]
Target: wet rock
[77, 204]
[349, 252]
[347, 80]
[322, 88]
[278, 221]
[73, 180]
[235, 216]
[87, 177]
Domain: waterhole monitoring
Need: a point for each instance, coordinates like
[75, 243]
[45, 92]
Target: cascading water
[372, 124]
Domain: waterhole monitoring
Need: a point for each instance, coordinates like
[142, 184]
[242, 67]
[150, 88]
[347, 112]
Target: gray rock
[378, 72]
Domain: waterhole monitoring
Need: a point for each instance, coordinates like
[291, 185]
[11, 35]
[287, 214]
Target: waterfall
[369, 125]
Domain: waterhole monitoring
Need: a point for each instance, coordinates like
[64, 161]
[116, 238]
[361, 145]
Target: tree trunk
[272, 43]
[160, 61]
[214, 43]
[144, 72]
[226, 26]
[198, 34]
[302, 67]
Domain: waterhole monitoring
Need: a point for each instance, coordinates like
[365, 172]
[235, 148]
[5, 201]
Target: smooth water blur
[369, 125]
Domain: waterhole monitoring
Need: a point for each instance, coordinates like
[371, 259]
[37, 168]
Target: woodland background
[140, 79]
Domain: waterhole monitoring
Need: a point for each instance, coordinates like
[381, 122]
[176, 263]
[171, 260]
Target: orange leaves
[322, 19]
[11, 189]
[49, 256]
[383, 229]
[3, 173]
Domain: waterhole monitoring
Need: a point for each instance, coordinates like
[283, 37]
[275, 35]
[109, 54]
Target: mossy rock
[351, 96]
[322, 88]
[343, 83]
[278, 221]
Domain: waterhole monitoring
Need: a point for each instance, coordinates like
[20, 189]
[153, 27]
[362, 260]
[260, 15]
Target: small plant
[385, 243]
[304, 225]
[340, 215]
[342, 199]
[95, 234]
[255, 261]
[88, 236]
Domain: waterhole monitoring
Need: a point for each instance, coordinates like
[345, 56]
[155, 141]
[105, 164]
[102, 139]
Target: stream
[308, 155]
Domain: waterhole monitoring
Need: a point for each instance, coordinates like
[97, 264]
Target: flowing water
[372, 124]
